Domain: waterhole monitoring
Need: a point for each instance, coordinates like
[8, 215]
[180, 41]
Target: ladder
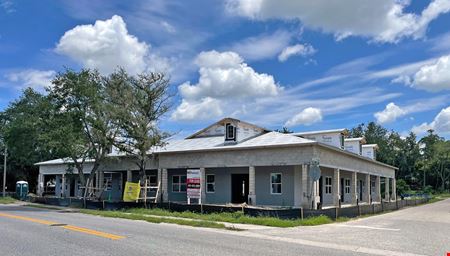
[146, 188]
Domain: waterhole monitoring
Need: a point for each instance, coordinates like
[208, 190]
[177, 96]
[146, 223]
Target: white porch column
[202, 186]
[40, 188]
[251, 185]
[367, 189]
[386, 189]
[336, 190]
[378, 188]
[394, 189]
[129, 176]
[164, 184]
[63, 185]
[101, 179]
[305, 192]
[353, 187]
[298, 186]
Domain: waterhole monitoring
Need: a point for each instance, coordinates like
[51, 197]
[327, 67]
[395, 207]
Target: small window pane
[183, 188]
[276, 178]
[210, 178]
[175, 179]
[183, 179]
[276, 188]
[175, 188]
[210, 188]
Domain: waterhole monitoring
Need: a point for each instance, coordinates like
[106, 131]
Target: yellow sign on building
[131, 192]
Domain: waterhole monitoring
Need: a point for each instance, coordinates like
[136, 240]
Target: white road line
[326, 245]
[367, 227]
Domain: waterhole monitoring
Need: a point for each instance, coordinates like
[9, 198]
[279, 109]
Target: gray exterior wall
[222, 195]
[351, 162]
[263, 186]
[175, 196]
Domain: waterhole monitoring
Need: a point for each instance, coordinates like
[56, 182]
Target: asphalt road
[423, 230]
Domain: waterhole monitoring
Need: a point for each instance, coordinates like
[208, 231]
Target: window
[328, 185]
[107, 181]
[230, 132]
[210, 183]
[275, 183]
[347, 186]
[179, 183]
[152, 181]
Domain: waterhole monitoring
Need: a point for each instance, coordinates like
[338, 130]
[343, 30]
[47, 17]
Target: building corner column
[40, 188]
[129, 176]
[368, 185]
[394, 189]
[386, 189]
[378, 188]
[336, 188]
[298, 195]
[304, 186]
[251, 185]
[202, 186]
[353, 187]
[63, 186]
[163, 180]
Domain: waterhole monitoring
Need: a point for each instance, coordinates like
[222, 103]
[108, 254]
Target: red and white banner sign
[193, 183]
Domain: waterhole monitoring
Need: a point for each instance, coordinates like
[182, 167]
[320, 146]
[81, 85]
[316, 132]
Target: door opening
[239, 188]
[342, 190]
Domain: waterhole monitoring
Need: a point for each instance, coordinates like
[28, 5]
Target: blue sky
[306, 65]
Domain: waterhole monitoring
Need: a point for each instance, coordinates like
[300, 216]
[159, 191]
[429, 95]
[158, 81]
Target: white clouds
[441, 123]
[107, 45]
[224, 78]
[389, 114]
[431, 75]
[36, 79]
[306, 117]
[7, 6]
[434, 77]
[263, 46]
[168, 27]
[382, 21]
[204, 109]
[297, 49]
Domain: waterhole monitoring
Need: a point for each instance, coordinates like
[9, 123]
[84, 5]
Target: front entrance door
[239, 188]
[342, 190]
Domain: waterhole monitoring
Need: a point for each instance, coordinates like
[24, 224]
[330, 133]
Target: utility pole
[4, 172]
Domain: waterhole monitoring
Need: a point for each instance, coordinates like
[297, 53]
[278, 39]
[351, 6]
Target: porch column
[378, 188]
[164, 185]
[394, 189]
[63, 186]
[386, 189]
[305, 194]
[298, 195]
[202, 186]
[101, 180]
[336, 187]
[367, 189]
[251, 186]
[129, 176]
[353, 186]
[40, 188]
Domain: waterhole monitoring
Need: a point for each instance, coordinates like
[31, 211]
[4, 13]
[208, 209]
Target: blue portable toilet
[21, 190]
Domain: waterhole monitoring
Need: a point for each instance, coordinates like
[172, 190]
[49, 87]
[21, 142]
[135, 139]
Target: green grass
[439, 197]
[124, 215]
[235, 217]
[7, 200]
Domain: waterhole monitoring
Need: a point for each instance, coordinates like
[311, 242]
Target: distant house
[243, 163]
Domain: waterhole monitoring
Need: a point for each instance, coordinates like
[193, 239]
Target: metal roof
[217, 142]
[319, 132]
